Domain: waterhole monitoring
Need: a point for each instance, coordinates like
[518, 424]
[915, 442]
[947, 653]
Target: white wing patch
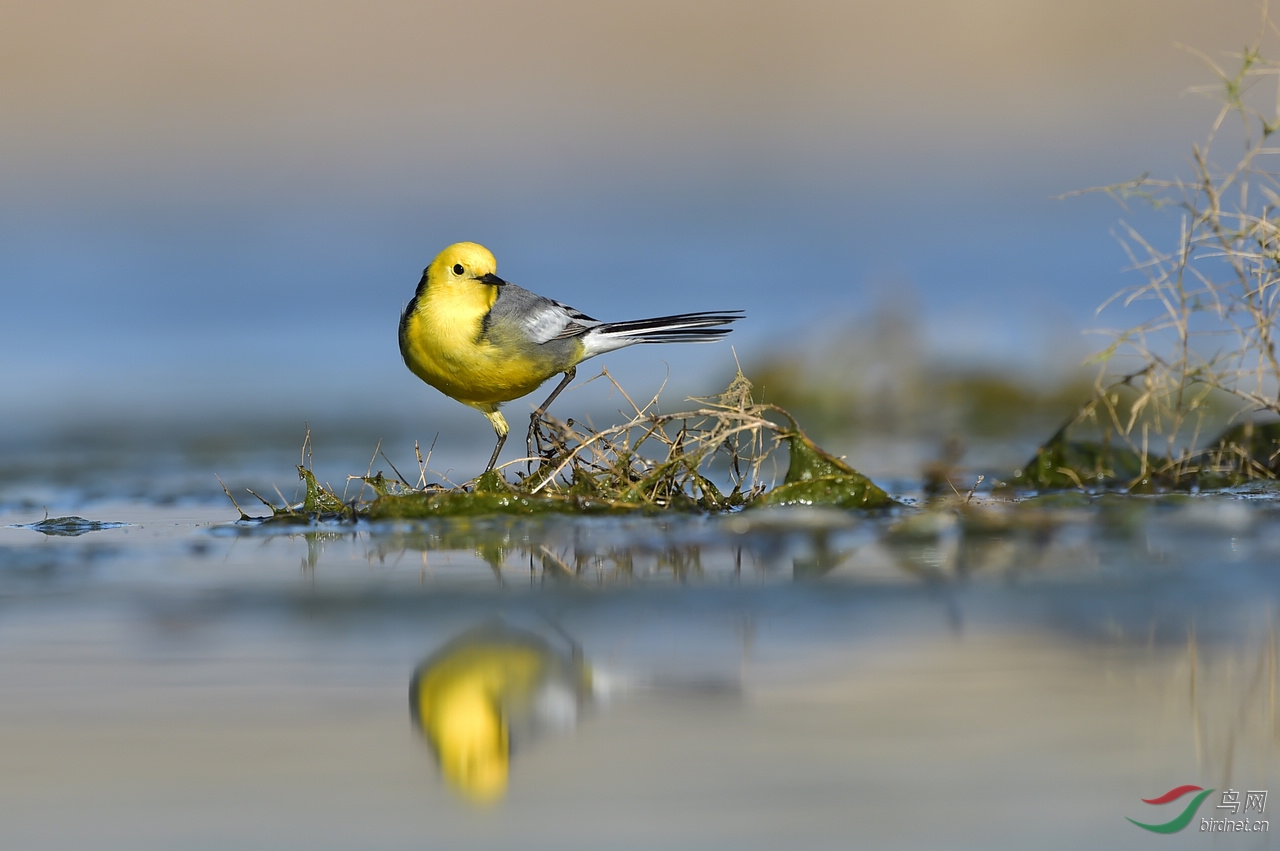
[552, 320]
[546, 322]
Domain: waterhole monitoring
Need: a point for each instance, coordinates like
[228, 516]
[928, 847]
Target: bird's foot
[546, 439]
[541, 445]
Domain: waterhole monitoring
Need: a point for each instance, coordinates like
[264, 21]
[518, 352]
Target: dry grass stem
[1207, 353]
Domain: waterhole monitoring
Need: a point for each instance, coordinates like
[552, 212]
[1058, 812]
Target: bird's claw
[534, 440]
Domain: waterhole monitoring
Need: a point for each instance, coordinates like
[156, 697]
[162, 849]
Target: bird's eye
[457, 269]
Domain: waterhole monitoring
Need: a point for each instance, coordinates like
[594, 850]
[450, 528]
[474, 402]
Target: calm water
[1014, 677]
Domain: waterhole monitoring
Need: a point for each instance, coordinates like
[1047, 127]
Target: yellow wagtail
[483, 341]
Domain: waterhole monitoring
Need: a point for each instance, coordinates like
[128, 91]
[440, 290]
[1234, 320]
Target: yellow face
[454, 272]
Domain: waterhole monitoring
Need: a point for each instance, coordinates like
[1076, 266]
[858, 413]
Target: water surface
[802, 678]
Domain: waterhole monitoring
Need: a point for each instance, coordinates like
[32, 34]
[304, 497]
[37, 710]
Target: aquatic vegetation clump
[651, 462]
[1242, 453]
[1062, 462]
[816, 478]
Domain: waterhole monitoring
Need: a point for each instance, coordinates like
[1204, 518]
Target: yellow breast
[443, 345]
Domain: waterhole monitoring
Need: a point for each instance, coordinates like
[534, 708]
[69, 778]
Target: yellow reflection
[486, 687]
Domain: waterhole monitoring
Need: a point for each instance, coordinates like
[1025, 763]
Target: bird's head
[464, 264]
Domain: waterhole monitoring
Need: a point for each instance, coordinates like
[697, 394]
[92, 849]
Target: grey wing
[540, 319]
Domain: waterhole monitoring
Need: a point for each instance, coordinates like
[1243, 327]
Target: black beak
[491, 279]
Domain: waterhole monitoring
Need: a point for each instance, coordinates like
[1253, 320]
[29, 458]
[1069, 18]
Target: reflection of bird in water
[487, 687]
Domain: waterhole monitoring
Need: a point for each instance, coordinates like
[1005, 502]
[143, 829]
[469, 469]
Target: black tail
[680, 328]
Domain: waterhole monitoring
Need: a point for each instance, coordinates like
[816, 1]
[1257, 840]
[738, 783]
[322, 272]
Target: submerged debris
[69, 527]
[653, 462]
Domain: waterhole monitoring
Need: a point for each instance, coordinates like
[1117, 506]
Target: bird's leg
[500, 428]
[493, 459]
[569, 375]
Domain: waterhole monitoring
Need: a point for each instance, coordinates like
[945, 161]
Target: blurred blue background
[217, 210]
